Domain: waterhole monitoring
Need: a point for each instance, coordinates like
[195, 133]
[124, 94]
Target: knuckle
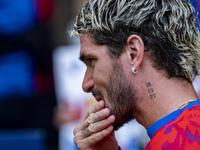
[82, 144]
[90, 111]
[75, 130]
[78, 145]
[91, 128]
[75, 140]
[88, 121]
[90, 118]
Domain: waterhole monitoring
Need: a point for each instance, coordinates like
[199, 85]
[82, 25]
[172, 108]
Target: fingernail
[110, 117]
[100, 103]
[105, 110]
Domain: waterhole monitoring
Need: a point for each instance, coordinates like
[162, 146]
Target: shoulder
[184, 131]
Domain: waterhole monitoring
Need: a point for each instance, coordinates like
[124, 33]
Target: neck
[163, 97]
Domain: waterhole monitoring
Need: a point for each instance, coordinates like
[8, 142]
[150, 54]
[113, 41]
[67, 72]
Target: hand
[95, 131]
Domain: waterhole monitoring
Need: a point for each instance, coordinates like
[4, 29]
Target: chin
[117, 125]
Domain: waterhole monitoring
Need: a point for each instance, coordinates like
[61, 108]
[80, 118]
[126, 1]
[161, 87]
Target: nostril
[89, 90]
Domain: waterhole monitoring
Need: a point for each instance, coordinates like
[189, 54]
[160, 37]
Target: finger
[87, 143]
[92, 112]
[98, 126]
[95, 117]
[95, 127]
[98, 116]
[84, 123]
[94, 109]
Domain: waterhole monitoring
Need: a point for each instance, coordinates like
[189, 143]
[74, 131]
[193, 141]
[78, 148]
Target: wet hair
[168, 28]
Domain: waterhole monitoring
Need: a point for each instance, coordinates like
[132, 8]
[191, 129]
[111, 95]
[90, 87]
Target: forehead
[86, 40]
[88, 46]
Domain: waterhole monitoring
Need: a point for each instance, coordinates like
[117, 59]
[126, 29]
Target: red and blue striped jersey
[179, 130]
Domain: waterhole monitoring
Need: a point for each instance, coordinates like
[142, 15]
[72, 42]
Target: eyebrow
[84, 57]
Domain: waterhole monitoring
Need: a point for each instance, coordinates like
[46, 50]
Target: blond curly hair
[168, 28]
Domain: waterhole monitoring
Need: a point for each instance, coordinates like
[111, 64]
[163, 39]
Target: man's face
[107, 81]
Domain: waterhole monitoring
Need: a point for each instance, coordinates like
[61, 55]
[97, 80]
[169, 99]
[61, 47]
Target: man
[141, 58]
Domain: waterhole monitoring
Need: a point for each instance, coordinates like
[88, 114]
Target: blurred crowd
[30, 33]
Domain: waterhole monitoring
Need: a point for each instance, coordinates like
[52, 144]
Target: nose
[88, 82]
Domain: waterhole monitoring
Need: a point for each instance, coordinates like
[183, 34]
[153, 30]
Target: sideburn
[122, 95]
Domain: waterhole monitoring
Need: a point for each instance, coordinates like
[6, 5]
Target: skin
[96, 127]
[102, 72]
[111, 84]
[95, 131]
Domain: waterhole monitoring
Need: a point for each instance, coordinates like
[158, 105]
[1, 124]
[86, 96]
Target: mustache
[96, 92]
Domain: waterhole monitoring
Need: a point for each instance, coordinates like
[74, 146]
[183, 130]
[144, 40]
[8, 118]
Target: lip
[98, 98]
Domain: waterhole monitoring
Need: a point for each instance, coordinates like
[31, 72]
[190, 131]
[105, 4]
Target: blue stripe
[171, 117]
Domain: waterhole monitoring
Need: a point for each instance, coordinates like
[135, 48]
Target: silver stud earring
[133, 70]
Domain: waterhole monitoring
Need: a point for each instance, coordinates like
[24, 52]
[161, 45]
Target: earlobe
[135, 50]
[134, 71]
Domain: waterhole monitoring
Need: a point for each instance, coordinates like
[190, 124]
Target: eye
[90, 61]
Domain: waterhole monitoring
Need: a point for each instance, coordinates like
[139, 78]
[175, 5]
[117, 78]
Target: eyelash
[90, 60]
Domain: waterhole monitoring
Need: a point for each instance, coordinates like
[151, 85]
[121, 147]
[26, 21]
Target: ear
[135, 50]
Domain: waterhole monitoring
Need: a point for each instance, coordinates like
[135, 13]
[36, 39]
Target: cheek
[99, 78]
[101, 74]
